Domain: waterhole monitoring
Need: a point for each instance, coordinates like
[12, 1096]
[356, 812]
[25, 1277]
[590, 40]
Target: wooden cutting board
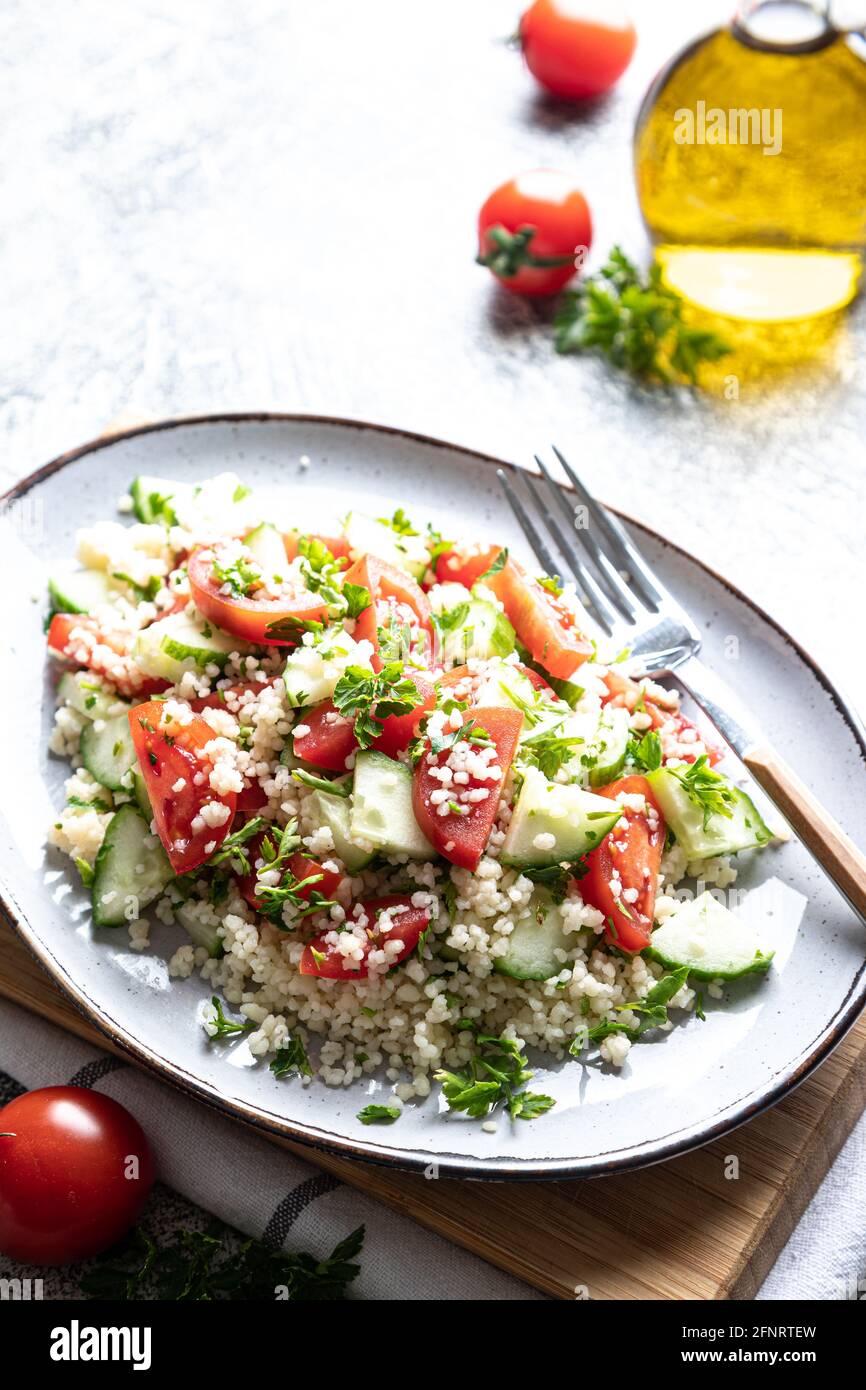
[680, 1230]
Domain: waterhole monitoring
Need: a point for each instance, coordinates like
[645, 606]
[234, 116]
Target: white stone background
[208, 206]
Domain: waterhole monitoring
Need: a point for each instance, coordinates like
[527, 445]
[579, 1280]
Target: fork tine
[595, 596]
[618, 538]
[615, 585]
[529, 529]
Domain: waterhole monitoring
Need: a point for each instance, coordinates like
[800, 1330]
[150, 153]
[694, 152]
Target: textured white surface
[212, 206]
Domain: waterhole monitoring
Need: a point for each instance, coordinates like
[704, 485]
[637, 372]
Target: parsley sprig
[370, 697]
[645, 753]
[494, 1075]
[233, 850]
[709, 790]
[652, 1011]
[636, 321]
[210, 1265]
[292, 1056]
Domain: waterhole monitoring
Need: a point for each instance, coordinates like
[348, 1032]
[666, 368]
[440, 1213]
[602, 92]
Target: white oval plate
[679, 1091]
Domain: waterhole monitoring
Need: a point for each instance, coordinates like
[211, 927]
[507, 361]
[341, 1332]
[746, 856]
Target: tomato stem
[509, 251]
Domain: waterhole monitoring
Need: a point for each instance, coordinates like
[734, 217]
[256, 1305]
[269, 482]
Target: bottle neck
[785, 26]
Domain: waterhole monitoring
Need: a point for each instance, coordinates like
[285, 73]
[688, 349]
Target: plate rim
[413, 1160]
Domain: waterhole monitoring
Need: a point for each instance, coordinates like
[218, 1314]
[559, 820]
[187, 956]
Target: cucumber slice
[311, 673]
[265, 544]
[108, 753]
[335, 812]
[509, 688]
[609, 747]
[79, 591]
[532, 946]
[474, 628]
[200, 923]
[139, 791]
[574, 819]
[382, 807]
[119, 890]
[153, 499]
[86, 693]
[369, 537]
[744, 829]
[178, 643]
[710, 940]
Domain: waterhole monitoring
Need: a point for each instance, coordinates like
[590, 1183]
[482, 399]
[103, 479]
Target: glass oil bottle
[750, 155]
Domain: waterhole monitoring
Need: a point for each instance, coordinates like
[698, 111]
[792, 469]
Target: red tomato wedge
[322, 958]
[300, 866]
[462, 837]
[229, 697]
[545, 625]
[80, 639]
[330, 739]
[622, 690]
[633, 853]
[264, 621]
[464, 681]
[338, 545]
[467, 566]
[398, 603]
[170, 758]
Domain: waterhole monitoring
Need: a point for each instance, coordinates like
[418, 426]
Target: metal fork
[634, 609]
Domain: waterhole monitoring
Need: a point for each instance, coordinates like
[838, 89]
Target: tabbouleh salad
[407, 816]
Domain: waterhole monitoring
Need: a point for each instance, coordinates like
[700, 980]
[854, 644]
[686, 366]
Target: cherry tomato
[75, 1171]
[299, 865]
[80, 639]
[338, 545]
[577, 49]
[534, 232]
[546, 626]
[399, 615]
[322, 958]
[630, 858]
[170, 758]
[330, 739]
[462, 837]
[624, 691]
[265, 621]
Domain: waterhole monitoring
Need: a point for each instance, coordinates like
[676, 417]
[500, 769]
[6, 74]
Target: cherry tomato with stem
[534, 232]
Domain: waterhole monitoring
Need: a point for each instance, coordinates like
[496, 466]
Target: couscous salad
[407, 817]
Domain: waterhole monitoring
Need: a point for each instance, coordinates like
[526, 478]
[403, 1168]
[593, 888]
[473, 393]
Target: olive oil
[750, 156]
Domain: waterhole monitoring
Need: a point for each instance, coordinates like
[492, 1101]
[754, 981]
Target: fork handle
[835, 851]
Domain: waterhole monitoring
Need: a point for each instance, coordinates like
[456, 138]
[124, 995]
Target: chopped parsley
[292, 1056]
[707, 789]
[322, 784]
[378, 1114]
[221, 1027]
[370, 698]
[233, 850]
[645, 753]
[400, 523]
[499, 563]
[242, 577]
[652, 1011]
[215, 1265]
[494, 1075]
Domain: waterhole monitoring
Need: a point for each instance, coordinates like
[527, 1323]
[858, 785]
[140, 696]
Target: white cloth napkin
[256, 1187]
[250, 1183]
